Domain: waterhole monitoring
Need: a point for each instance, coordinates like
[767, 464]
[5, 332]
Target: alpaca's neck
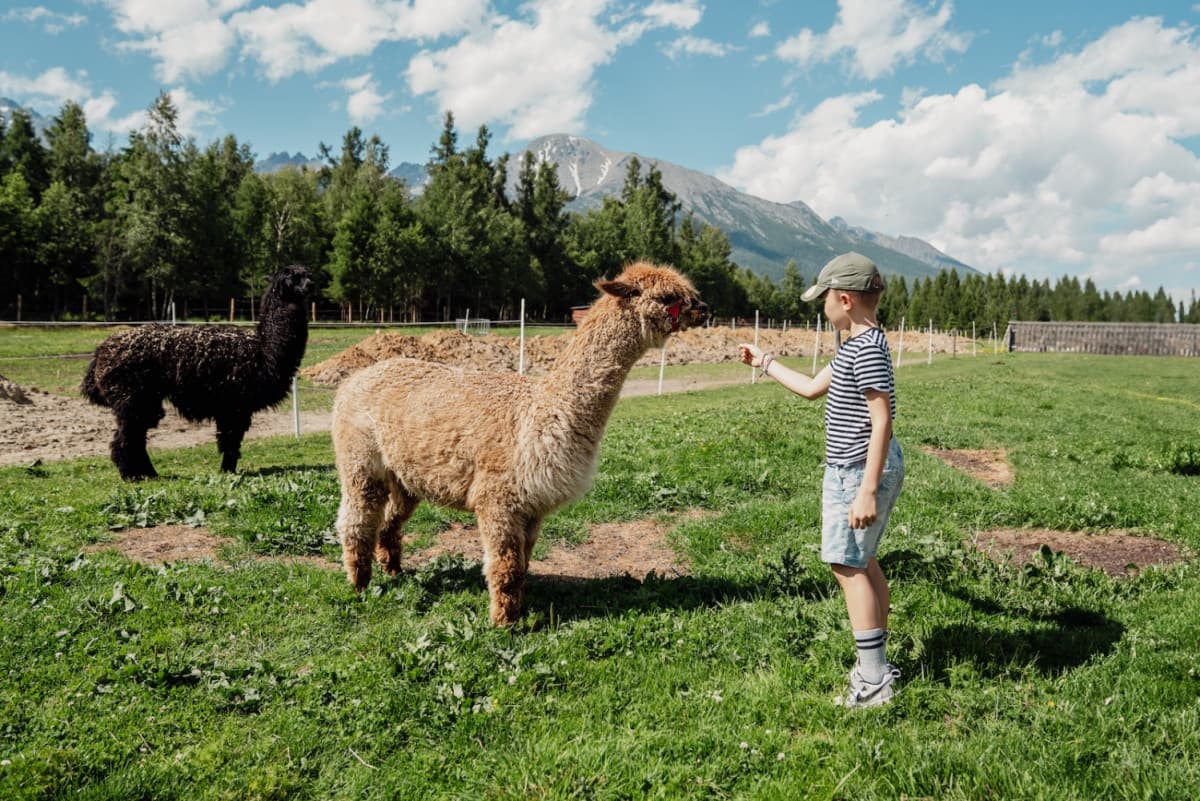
[583, 387]
[282, 336]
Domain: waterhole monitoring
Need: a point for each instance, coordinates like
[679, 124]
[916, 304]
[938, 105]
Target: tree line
[124, 234]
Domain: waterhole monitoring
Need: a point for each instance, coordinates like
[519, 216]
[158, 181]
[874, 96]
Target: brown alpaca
[508, 447]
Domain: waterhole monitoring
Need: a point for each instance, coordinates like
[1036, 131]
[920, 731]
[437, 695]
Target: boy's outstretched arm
[863, 509]
[804, 386]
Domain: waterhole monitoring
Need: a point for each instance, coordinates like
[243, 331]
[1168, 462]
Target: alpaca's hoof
[389, 559]
[358, 577]
[505, 610]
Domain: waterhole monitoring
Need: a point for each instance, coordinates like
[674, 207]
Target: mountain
[277, 161]
[415, 175]
[909, 245]
[764, 234]
[7, 107]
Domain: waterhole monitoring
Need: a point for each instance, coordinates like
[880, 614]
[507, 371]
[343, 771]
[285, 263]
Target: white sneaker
[863, 693]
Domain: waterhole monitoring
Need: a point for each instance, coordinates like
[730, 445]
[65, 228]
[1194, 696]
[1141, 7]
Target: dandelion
[744, 745]
[779, 756]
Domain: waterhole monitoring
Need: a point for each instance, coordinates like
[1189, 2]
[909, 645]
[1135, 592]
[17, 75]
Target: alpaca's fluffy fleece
[209, 372]
[510, 448]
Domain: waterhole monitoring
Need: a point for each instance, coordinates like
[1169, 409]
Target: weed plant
[268, 678]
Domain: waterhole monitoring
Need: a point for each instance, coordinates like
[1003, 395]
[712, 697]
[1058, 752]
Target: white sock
[872, 660]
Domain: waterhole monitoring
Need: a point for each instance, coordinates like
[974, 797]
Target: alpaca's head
[663, 298]
[290, 285]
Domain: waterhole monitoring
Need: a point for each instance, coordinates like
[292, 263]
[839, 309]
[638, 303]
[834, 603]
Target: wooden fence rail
[1122, 339]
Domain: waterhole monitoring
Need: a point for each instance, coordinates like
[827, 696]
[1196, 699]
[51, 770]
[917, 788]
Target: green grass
[269, 679]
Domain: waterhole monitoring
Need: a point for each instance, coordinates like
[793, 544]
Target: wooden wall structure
[1130, 339]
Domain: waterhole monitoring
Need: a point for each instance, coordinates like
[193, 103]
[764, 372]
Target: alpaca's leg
[504, 563]
[359, 516]
[230, 431]
[400, 507]
[128, 449]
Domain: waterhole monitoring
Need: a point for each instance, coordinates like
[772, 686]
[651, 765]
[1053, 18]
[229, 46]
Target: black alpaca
[210, 372]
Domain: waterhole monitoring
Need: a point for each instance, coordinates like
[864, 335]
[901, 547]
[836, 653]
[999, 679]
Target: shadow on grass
[571, 598]
[262, 472]
[1051, 642]
[567, 598]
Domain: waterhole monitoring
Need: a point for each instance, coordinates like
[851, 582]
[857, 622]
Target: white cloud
[47, 93]
[760, 29]
[683, 15]
[195, 115]
[877, 35]
[51, 21]
[534, 73]
[304, 38]
[695, 46]
[1078, 162]
[779, 105]
[365, 102]
[194, 38]
[187, 38]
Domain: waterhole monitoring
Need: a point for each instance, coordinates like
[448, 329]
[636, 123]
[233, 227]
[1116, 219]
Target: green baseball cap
[851, 270]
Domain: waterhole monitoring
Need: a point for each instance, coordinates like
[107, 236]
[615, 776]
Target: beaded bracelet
[766, 362]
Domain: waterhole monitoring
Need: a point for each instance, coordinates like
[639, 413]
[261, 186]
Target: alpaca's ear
[619, 289]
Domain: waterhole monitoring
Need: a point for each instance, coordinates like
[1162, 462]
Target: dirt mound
[11, 392]
[1117, 553]
[501, 353]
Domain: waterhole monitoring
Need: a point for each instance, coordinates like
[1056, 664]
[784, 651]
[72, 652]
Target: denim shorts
[855, 547]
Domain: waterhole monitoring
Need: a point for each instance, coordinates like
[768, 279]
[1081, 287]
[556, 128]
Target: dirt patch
[173, 543]
[634, 549]
[1117, 553]
[161, 544]
[612, 550]
[52, 427]
[987, 466]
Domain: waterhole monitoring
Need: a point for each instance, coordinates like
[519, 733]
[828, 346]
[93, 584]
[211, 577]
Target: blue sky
[1044, 138]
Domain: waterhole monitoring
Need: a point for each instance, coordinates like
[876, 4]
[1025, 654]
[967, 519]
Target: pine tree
[23, 152]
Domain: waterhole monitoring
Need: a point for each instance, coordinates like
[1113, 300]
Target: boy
[864, 466]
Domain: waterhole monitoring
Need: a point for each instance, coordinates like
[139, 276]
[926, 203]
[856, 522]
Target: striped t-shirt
[863, 362]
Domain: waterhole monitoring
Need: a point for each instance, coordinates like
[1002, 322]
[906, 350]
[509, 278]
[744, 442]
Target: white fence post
[662, 367]
[753, 377]
[296, 406]
[521, 358]
[900, 352]
[930, 342]
[817, 346]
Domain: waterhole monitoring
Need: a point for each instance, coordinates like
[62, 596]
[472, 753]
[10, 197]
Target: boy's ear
[619, 289]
